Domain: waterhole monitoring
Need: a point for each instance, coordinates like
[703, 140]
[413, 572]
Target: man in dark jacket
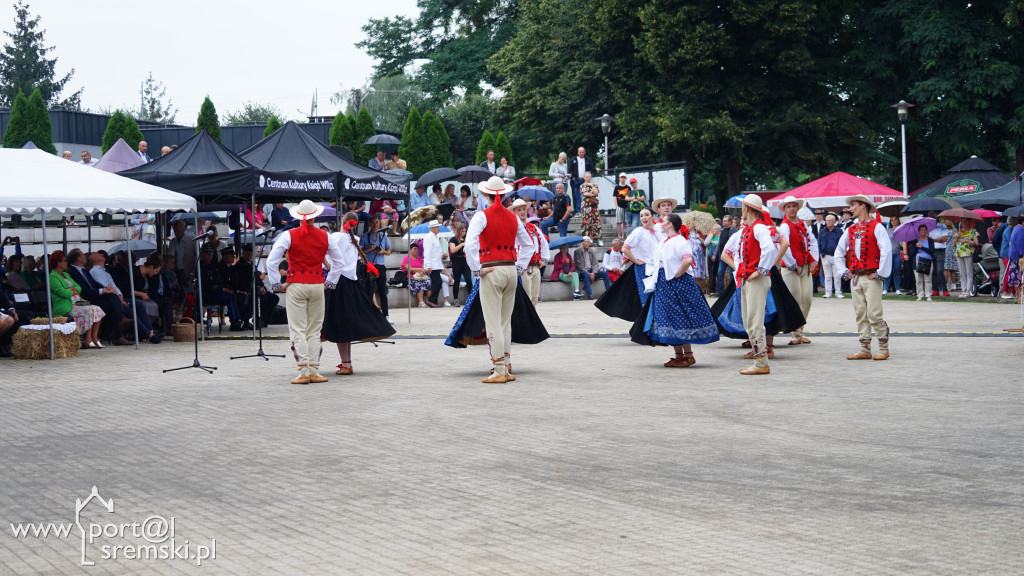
[723, 238]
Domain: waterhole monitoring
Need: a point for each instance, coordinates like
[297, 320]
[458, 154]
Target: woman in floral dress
[591, 219]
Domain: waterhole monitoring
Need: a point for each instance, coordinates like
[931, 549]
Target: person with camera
[376, 246]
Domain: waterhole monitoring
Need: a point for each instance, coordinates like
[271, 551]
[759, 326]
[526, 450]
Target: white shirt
[103, 278]
[612, 260]
[671, 254]
[581, 167]
[769, 250]
[349, 255]
[939, 231]
[544, 249]
[490, 166]
[477, 225]
[432, 258]
[884, 250]
[732, 246]
[283, 243]
[788, 260]
[642, 243]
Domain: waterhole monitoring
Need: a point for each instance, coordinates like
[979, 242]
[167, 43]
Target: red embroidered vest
[750, 253]
[798, 242]
[535, 234]
[306, 256]
[498, 240]
[870, 255]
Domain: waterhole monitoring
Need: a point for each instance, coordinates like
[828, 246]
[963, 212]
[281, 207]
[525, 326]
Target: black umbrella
[970, 176]
[472, 174]
[438, 175]
[925, 204]
[383, 140]
[1017, 211]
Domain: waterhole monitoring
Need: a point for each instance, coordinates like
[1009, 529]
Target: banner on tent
[352, 185]
[322, 186]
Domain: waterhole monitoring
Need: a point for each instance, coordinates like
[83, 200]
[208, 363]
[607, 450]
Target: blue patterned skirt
[781, 311]
[470, 329]
[675, 314]
[641, 273]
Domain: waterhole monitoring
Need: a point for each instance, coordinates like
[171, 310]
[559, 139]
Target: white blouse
[671, 254]
[642, 243]
[349, 255]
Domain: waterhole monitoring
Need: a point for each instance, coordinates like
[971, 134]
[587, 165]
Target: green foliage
[273, 125]
[341, 131]
[486, 143]
[502, 148]
[464, 119]
[415, 149]
[152, 107]
[121, 126]
[364, 131]
[253, 113]
[437, 139]
[18, 127]
[24, 65]
[40, 129]
[388, 99]
[208, 119]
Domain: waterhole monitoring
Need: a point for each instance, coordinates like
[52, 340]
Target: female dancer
[626, 297]
[676, 314]
[350, 313]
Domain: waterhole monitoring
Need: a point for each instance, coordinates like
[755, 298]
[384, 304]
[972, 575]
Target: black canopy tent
[1006, 196]
[968, 177]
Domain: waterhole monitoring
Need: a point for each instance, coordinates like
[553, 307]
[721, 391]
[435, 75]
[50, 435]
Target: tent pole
[408, 276]
[252, 280]
[49, 295]
[88, 229]
[131, 282]
[199, 278]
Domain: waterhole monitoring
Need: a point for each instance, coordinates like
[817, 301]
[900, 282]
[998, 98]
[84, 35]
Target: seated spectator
[281, 218]
[164, 290]
[465, 206]
[419, 281]
[101, 277]
[564, 269]
[377, 162]
[587, 266]
[386, 211]
[66, 300]
[144, 275]
[106, 298]
[357, 206]
[32, 274]
[10, 320]
[561, 212]
[505, 172]
[613, 260]
[395, 163]
[15, 282]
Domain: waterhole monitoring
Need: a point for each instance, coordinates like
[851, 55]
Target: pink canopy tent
[832, 190]
[119, 157]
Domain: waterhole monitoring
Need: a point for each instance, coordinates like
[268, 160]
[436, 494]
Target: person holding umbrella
[923, 263]
[867, 246]
[966, 241]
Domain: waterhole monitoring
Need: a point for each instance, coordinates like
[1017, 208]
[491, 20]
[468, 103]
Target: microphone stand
[259, 306]
[196, 305]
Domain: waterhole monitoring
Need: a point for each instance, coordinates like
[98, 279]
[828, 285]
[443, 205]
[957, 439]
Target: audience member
[419, 281]
[66, 300]
[622, 190]
[587, 266]
[613, 261]
[561, 212]
[376, 246]
[564, 269]
[579, 166]
[505, 172]
[590, 219]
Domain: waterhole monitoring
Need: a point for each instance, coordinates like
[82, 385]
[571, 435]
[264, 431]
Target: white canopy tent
[35, 182]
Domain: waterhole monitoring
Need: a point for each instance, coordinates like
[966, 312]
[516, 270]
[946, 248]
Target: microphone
[206, 234]
[270, 230]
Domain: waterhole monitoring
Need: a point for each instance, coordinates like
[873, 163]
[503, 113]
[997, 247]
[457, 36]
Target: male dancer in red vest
[798, 260]
[756, 256]
[491, 241]
[867, 245]
[541, 255]
[307, 246]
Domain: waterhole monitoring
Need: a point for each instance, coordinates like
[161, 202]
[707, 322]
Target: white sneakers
[840, 296]
[388, 318]
[577, 295]
[827, 296]
[447, 304]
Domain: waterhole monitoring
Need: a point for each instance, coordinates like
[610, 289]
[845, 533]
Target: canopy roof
[832, 190]
[291, 163]
[119, 157]
[35, 180]
[1006, 196]
[968, 177]
[201, 167]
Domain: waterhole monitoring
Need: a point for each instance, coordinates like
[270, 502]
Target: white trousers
[832, 278]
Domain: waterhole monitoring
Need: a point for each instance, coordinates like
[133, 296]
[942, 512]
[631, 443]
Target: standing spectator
[165, 151]
[636, 200]
[923, 263]
[143, 148]
[894, 280]
[578, 169]
[489, 163]
[940, 234]
[590, 221]
[460, 268]
[433, 262]
[966, 242]
[711, 247]
[281, 218]
[828, 240]
[376, 246]
[564, 270]
[66, 155]
[377, 162]
[1002, 243]
[621, 191]
[1016, 255]
[720, 267]
[559, 170]
[561, 211]
[949, 268]
[505, 172]
[588, 267]
[87, 159]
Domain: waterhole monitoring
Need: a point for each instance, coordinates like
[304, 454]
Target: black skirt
[788, 316]
[622, 300]
[351, 316]
[470, 329]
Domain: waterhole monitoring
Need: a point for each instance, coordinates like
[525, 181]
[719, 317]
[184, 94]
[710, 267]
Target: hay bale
[35, 344]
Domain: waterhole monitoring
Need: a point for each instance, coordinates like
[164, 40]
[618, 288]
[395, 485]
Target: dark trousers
[114, 313]
[938, 267]
[577, 196]
[722, 269]
[379, 286]
[461, 271]
[435, 286]
[165, 307]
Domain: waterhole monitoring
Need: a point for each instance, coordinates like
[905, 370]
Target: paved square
[596, 461]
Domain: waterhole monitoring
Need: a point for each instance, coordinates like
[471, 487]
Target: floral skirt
[1013, 274]
[86, 316]
[590, 223]
[417, 286]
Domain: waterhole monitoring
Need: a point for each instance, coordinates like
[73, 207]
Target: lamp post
[606, 127]
[902, 111]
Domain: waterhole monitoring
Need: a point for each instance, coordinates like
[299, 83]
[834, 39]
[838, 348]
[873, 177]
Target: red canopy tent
[832, 190]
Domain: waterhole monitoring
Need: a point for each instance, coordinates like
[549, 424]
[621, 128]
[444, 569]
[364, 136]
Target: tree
[24, 65]
[415, 149]
[253, 113]
[341, 131]
[18, 130]
[273, 125]
[364, 131]
[437, 140]
[121, 126]
[486, 143]
[388, 100]
[465, 118]
[39, 126]
[151, 102]
[208, 119]
[502, 148]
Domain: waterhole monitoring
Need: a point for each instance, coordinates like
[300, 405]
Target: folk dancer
[798, 261]
[307, 247]
[757, 255]
[541, 255]
[490, 252]
[662, 208]
[867, 245]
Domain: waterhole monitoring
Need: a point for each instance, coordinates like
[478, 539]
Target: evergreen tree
[151, 102]
[17, 133]
[503, 148]
[272, 126]
[364, 131]
[24, 65]
[415, 149]
[40, 129]
[208, 119]
[115, 129]
[486, 143]
[132, 135]
[437, 140]
[352, 123]
[341, 131]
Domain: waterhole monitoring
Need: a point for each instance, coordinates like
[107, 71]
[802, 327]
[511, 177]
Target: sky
[278, 52]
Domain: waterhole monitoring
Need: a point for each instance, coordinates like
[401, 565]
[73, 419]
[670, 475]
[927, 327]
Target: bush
[208, 119]
[486, 143]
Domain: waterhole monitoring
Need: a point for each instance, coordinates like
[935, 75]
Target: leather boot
[313, 374]
[302, 378]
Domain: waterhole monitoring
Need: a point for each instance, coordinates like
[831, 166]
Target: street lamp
[903, 111]
[606, 127]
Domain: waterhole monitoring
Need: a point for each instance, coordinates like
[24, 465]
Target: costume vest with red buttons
[798, 242]
[750, 248]
[870, 254]
[534, 233]
[306, 255]
[498, 240]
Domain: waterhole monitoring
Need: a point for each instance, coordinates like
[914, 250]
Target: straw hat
[519, 202]
[791, 200]
[494, 186]
[658, 201]
[753, 201]
[861, 198]
[306, 210]
[434, 224]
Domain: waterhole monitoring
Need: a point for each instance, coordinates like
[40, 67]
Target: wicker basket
[185, 331]
[46, 321]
